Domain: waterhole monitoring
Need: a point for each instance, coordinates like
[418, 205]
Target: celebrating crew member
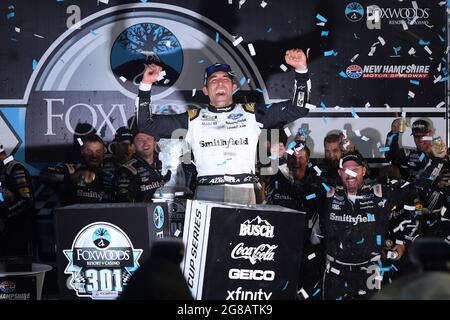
[223, 135]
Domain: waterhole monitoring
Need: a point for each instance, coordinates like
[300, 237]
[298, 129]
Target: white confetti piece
[168, 44]
[251, 49]
[80, 142]
[414, 4]
[287, 131]
[441, 104]
[381, 41]
[372, 51]
[304, 294]
[123, 79]
[411, 51]
[400, 242]
[428, 50]
[337, 108]
[38, 36]
[161, 76]
[103, 1]
[351, 173]
[427, 138]
[364, 138]
[361, 292]
[321, 24]
[8, 160]
[307, 52]
[238, 41]
[263, 4]
[310, 106]
[437, 79]
[404, 25]
[404, 185]
[345, 145]
[439, 67]
[194, 91]
[358, 133]
[404, 114]
[166, 81]
[378, 144]
[283, 67]
[354, 57]
[411, 94]
[409, 208]
[335, 271]
[443, 210]
[367, 105]
[241, 3]
[387, 106]
[177, 233]
[230, 1]
[316, 168]
[17, 29]
[311, 256]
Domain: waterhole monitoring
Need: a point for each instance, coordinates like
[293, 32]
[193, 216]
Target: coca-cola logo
[263, 252]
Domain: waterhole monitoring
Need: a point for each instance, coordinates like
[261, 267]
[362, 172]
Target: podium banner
[100, 246]
[238, 252]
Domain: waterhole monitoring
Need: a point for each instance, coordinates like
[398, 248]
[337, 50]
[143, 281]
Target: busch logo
[257, 227]
[263, 252]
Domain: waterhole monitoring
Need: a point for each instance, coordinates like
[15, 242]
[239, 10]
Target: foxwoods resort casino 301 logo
[101, 261]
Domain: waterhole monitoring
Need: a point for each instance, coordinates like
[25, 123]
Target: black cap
[122, 134]
[218, 67]
[352, 156]
[147, 132]
[420, 127]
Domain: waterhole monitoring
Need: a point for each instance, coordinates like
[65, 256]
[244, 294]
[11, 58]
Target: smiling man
[223, 135]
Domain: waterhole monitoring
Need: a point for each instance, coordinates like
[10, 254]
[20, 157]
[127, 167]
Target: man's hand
[296, 58]
[395, 125]
[400, 249]
[439, 150]
[151, 74]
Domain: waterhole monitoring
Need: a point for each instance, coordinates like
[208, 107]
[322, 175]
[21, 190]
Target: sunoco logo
[158, 217]
[354, 11]
[101, 261]
[257, 227]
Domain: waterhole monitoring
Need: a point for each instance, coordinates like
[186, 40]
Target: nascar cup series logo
[101, 261]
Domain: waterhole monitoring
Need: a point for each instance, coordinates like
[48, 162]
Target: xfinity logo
[257, 227]
[238, 294]
[263, 252]
[246, 274]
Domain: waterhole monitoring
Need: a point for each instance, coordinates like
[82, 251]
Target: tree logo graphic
[146, 42]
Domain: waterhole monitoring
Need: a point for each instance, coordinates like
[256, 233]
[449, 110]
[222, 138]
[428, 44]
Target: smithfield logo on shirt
[257, 227]
[235, 116]
[223, 142]
[350, 219]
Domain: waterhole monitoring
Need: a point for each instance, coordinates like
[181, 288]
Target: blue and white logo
[7, 286]
[354, 11]
[101, 238]
[235, 116]
[140, 42]
[158, 217]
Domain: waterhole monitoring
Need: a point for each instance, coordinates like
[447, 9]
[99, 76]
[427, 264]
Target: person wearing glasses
[223, 135]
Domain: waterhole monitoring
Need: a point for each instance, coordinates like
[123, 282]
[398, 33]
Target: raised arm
[279, 114]
[159, 126]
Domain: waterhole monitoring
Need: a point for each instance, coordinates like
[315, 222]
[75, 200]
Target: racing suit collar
[221, 109]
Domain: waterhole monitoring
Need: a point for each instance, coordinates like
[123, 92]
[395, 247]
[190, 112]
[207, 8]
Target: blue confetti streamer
[268, 106]
[311, 196]
[200, 61]
[423, 42]
[236, 90]
[325, 120]
[383, 149]
[340, 298]
[285, 286]
[310, 164]
[276, 185]
[422, 156]
[324, 33]
[1, 197]
[415, 82]
[316, 292]
[162, 109]
[93, 32]
[242, 82]
[441, 38]
[217, 37]
[259, 90]
[343, 74]
[291, 145]
[327, 188]
[444, 79]
[397, 49]
[269, 29]
[355, 35]
[393, 267]
[321, 18]
[370, 217]
[330, 53]
[34, 64]
[354, 114]
[378, 237]
[10, 15]
[14, 39]
[360, 241]
[144, 1]
[323, 106]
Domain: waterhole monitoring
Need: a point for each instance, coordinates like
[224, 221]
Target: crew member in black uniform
[83, 182]
[139, 178]
[354, 220]
[17, 212]
[289, 188]
[122, 150]
[411, 162]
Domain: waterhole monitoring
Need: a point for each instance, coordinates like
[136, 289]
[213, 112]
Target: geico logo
[246, 274]
[256, 230]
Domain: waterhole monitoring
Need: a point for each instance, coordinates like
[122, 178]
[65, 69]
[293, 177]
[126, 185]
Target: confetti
[268, 106]
[381, 41]
[263, 4]
[311, 256]
[251, 49]
[321, 18]
[283, 67]
[384, 149]
[441, 104]
[269, 29]
[343, 74]
[177, 233]
[103, 1]
[411, 94]
[428, 50]
[323, 106]
[400, 242]
[411, 51]
[324, 33]
[34, 64]
[351, 173]
[404, 185]
[17, 29]
[317, 292]
[443, 210]
[123, 79]
[217, 37]
[372, 51]
[237, 41]
[194, 91]
[242, 81]
[330, 53]
[358, 133]
[304, 294]
[287, 131]
[414, 82]
[378, 240]
[404, 25]
[367, 105]
[354, 114]
[409, 208]
[316, 169]
[310, 196]
[335, 271]
[370, 217]
[364, 138]
[327, 188]
[354, 57]
[360, 241]
[200, 61]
